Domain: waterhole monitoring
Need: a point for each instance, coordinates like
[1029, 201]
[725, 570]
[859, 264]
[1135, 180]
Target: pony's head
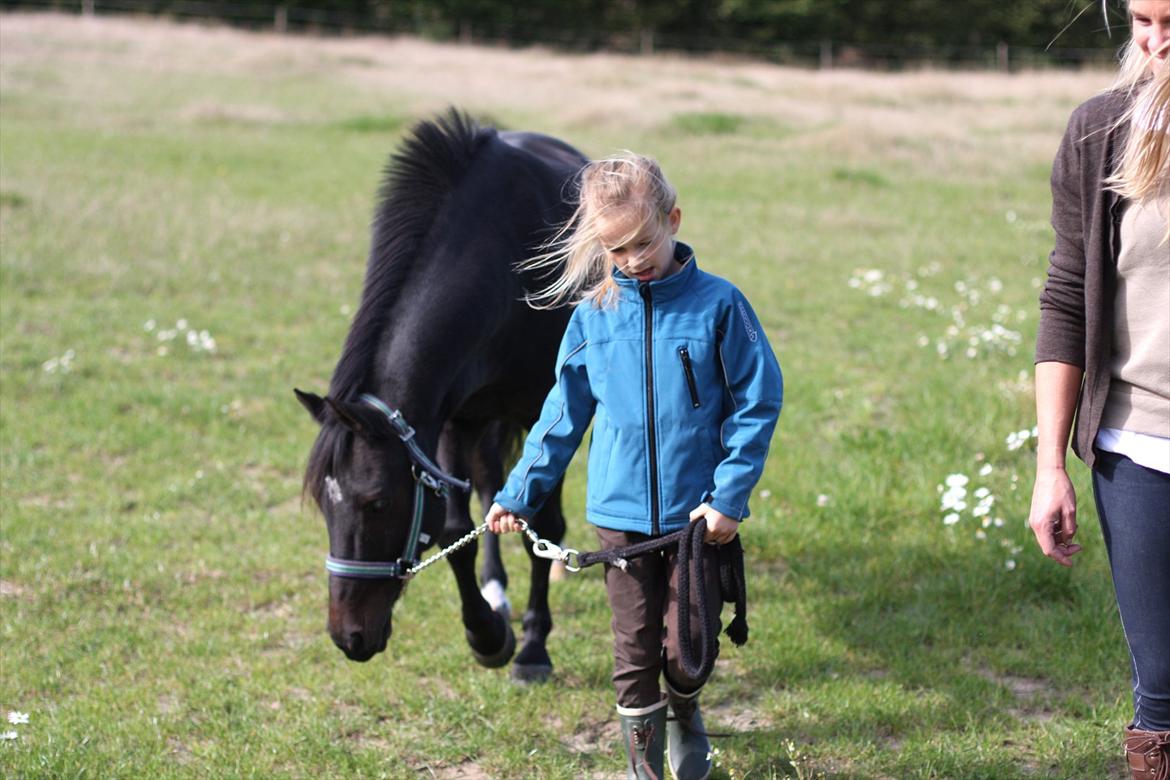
[360, 475]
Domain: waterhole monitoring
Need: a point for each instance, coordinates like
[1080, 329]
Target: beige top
[1139, 392]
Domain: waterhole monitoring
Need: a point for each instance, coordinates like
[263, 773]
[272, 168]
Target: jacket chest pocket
[684, 357]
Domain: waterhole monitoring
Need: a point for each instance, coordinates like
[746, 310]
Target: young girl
[674, 370]
[1103, 360]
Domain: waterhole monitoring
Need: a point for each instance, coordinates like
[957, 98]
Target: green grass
[163, 597]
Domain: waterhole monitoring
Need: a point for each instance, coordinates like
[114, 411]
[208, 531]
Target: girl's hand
[721, 529]
[501, 521]
[1053, 517]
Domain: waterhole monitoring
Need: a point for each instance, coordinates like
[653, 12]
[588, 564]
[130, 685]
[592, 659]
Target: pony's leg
[487, 474]
[488, 632]
[533, 663]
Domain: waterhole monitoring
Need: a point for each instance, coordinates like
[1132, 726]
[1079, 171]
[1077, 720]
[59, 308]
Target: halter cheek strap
[427, 475]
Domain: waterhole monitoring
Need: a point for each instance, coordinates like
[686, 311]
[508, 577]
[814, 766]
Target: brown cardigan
[1076, 306]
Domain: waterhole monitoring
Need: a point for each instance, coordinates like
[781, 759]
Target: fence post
[647, 41]
[826, 55]
[1003, 56]
[87, 7]
[280, 19]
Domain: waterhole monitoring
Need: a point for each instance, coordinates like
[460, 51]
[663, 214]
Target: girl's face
[1151, 29]
[641, 252]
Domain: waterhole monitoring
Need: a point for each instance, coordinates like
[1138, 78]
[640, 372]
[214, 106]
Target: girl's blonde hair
[628, 186]
[1143, 171]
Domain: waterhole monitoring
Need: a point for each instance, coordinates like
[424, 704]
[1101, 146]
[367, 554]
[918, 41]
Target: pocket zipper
[685, 357]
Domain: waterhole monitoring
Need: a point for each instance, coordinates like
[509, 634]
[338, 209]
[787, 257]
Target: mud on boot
[688, 748]
[644, 737]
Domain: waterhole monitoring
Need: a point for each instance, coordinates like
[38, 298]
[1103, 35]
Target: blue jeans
[1133, 503]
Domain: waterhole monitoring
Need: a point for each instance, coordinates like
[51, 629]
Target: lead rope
[732, 586]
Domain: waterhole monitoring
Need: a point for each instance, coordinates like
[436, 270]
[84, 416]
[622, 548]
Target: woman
[1103, 354]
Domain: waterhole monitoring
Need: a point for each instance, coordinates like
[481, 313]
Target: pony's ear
[358, 417]
[315, 404]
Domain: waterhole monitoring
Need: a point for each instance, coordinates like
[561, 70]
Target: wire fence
[825, 54]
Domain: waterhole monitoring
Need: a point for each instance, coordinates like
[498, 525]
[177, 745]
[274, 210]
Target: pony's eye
[377, 505]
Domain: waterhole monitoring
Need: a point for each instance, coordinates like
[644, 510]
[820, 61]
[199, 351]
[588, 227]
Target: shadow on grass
[930, 658]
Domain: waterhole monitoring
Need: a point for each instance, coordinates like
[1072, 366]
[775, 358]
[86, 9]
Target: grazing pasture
[183, 230]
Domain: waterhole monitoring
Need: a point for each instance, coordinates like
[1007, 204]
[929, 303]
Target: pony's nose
[355, 646]
[359, 646]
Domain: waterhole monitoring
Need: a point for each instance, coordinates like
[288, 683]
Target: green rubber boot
[644, 735]
[686, 737]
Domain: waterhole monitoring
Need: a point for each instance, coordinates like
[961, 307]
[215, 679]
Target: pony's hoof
[501, 656]
[531, 673]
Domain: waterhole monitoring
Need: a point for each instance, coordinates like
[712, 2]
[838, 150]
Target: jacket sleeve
[554, 438]
[1061, 334]
[756, 388]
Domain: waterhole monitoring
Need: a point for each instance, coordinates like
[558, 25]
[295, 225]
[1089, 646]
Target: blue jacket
[683, 391]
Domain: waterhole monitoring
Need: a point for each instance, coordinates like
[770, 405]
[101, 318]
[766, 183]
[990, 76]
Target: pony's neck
[425, 363]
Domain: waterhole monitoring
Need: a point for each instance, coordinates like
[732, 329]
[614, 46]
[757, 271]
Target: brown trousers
[645, 603]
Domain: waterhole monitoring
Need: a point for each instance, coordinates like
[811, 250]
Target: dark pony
[443, 336]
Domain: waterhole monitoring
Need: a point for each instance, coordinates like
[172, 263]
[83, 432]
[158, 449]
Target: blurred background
[823, 33]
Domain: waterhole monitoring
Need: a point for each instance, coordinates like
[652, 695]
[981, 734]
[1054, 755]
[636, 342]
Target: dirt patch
[737, 716]
[1032, 694]
[594, 737]
[464, 770]
[11, 590]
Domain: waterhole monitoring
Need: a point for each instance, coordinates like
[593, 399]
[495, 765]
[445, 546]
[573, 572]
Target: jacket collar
[670, 287]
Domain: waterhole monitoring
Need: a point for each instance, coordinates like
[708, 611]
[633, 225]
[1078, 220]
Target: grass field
[183, 217]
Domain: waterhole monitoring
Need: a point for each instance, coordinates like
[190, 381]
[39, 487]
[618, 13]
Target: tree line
[918, 29]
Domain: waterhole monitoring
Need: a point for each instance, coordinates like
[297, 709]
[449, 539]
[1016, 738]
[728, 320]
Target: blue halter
[427, 475]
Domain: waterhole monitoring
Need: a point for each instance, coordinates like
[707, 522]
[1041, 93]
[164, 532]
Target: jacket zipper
[685, 357]
[644, 290]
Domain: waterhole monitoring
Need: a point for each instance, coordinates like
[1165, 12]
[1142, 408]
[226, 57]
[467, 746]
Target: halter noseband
[427, 475]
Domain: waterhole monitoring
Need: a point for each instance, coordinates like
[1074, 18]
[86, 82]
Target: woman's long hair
[1143, 170]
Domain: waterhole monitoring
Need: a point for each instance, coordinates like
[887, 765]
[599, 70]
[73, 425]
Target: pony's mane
[416, 183]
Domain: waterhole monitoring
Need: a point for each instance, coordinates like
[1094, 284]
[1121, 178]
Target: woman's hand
[501, 521]
[721, 529]
[1053, 517]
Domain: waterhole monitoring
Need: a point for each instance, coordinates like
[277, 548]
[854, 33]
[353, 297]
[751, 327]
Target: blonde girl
[673, 369]
[1103, 359]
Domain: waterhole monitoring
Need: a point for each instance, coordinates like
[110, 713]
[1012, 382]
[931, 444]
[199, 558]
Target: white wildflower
[956, 480]
[17, 718]
[985, 470]
[951, 519]
[822, 500]
[149, 325]
[64, 363]
[1010, 564]
[7, 735]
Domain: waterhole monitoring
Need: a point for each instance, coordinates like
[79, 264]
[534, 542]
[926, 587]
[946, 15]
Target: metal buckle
[543, 548]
